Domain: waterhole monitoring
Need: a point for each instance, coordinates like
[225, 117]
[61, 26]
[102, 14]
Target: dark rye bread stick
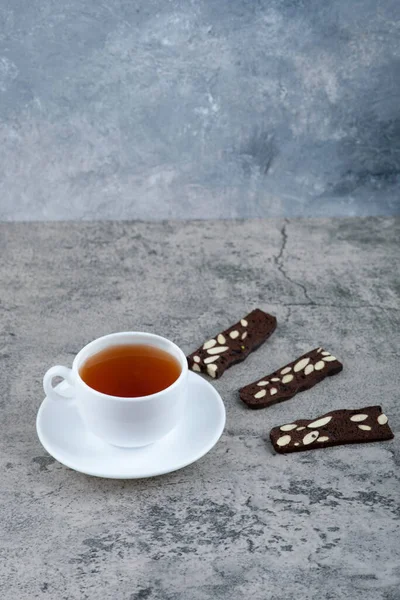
[232, 345]
[335, 428]
[299, 375]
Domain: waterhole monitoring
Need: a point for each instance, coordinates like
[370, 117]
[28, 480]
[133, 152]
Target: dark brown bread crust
[335, 428]
[232, 345]
[299, 375]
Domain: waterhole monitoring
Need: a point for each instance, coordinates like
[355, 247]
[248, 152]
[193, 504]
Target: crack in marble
[289, 314]
[278, 260]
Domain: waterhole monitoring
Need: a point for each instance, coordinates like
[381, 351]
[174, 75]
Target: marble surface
[198, 108]
[242, 522]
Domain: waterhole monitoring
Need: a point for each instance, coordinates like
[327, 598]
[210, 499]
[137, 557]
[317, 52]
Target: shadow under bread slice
[298, 376]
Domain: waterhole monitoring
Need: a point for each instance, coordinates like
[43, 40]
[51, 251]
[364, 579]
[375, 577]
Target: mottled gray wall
[206, 108]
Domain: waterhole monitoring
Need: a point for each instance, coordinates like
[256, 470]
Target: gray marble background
[204, 109]
[241, 523]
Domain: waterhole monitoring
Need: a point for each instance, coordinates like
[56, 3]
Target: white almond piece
[310, 437]
[358, 418]
[196, 359]
[273, 391]
[221, 339]
[211, 370]
[382, 419]
[287, 378]
[286, 370]
[296, 444]
[325, 353]
[234, 334]
[283, 441]
[329, 358]
[211, 359]
[244, 335]
[364, 427]
[319, 365]
[288, 427]
[262, 383]
[275, 379]
[209, 344]
[217, 349]
[319, 349]
[323, 438]
[301, 364]
[243, 322]
[319, 422]
[309, 369]
[260, 394]
[196, 368]
[300, 428]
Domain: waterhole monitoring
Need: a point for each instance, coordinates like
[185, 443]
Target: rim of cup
[83, 355]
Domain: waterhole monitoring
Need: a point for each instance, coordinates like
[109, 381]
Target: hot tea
[130, 371]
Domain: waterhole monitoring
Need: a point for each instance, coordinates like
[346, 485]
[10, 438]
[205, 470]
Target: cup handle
[67, 375]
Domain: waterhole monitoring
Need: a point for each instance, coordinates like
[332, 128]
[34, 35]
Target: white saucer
[64, 436]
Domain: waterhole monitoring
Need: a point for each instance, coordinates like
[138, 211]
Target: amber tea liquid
[130, 371]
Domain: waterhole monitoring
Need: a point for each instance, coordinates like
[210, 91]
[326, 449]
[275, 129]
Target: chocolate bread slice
[335, 428]
[232, 345]
[299, 375]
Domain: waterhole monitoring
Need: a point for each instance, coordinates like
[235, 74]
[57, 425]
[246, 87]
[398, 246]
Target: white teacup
[126, 422]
